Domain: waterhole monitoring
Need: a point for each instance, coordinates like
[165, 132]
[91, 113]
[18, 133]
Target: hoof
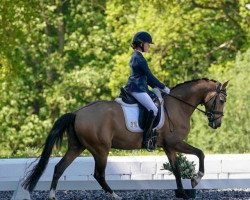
[181, 194]
[114, 196]
[196, 179]
[52, 195]
[194, 183]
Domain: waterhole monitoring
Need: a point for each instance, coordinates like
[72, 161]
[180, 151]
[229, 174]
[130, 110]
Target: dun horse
[100, 126]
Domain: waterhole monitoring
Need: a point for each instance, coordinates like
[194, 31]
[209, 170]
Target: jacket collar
[138, 53]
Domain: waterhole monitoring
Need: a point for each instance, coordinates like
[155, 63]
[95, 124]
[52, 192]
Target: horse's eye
[222, 101]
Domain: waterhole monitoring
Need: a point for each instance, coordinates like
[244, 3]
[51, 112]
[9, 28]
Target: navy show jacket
[141, 76]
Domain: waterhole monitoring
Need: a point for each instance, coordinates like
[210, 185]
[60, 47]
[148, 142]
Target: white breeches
[146, 101]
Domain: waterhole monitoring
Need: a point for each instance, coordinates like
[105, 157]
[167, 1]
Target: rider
[139, 79]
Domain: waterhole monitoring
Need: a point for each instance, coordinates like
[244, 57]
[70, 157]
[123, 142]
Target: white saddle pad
[131, 114]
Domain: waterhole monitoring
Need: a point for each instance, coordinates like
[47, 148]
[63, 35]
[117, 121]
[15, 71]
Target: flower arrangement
[187, 168]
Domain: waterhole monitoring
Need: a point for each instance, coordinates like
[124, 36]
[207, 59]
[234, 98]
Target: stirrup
[150, 144]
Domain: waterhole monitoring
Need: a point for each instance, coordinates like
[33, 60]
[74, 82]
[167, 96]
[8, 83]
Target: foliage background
[57, 56]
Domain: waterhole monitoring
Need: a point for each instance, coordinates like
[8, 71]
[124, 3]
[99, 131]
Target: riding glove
[166, 90]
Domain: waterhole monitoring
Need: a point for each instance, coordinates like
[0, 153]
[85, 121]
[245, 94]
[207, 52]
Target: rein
[195, 107]
[169, 120]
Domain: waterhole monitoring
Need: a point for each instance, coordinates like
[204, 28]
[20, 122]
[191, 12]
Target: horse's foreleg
[174, 165]
[186, 148]
[68, 158]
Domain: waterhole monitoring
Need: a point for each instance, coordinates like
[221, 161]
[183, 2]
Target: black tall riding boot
[148, 142]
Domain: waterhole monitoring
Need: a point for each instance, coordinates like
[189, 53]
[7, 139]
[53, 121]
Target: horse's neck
[193, 93]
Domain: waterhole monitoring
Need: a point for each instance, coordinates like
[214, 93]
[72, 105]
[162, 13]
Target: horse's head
[214, 103]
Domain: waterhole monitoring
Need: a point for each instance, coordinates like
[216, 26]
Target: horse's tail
[55, 136]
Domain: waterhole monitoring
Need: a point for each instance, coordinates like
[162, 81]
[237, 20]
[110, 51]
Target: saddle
[135, 114]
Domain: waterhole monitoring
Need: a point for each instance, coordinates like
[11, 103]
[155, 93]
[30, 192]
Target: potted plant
[187, 169]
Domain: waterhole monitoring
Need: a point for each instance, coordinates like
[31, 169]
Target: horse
[99, 126]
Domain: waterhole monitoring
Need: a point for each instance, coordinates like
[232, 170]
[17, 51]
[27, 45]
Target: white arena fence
[222, 171]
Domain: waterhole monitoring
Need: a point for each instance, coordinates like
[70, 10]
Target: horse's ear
[224, 85]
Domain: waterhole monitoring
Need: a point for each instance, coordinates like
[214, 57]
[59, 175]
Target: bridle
[210, 113]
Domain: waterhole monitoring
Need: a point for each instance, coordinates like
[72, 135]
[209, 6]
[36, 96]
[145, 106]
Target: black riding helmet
[140, 38]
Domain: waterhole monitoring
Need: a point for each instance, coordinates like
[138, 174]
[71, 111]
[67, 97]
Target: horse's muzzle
[214, 125]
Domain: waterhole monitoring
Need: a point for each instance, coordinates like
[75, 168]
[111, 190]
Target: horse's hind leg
[67, 159]
[99, 174]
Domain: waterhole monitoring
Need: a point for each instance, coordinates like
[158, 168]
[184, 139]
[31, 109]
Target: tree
[57, 56]
[190, 36]
[61, 54]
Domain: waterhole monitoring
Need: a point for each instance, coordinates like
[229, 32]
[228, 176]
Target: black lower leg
[101, 180]
[99, 175]
[148, 140]
[68, 158]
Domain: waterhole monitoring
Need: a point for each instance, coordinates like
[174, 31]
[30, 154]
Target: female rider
[139, 79]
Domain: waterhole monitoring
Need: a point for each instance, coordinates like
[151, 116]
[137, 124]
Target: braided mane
[191, 81]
